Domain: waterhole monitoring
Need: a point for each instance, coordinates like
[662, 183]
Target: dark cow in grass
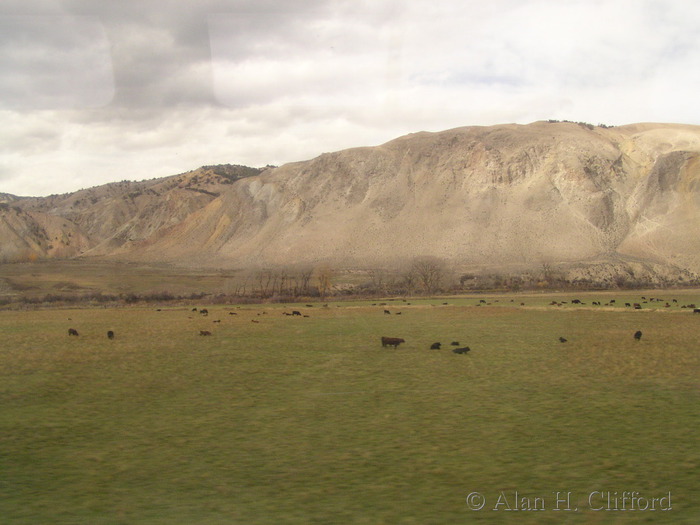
[638, 335]
[72, 331]
[392, 341]
[435, 346]
[461, 350]
[110, 334]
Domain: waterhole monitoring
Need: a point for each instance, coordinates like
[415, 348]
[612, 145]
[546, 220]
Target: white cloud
[257, 82]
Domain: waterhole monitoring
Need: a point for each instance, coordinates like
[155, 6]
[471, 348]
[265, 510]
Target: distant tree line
[422, 276]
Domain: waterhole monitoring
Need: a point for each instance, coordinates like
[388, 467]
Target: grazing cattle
[216, 321]
[110, 334]
[435, 346]
[461, 350]
[562, 340]
[696, 310]
[296, 312]
[398, 313]
[637, 306]
[575, 301]
[387, 312]
[254, 321]
[638, 335]
[455, 343]
[72, 331]
[194, 309]
[232, 313]
[204, 311]
[628, 304]
[392, 341]
[204, 332]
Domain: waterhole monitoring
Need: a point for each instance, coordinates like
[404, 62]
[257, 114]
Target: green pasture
[308, 420]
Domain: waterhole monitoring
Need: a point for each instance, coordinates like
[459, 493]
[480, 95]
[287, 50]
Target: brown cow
[204, 332]
[72, 331]
[392, 341]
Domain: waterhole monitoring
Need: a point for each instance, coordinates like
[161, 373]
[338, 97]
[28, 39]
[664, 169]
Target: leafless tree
[324, 275]
[429, 273]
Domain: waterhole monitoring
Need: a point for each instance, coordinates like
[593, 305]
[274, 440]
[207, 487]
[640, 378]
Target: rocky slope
[511, 195]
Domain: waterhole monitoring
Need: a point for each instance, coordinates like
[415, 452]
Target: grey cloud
[53, 61]
[161, 51]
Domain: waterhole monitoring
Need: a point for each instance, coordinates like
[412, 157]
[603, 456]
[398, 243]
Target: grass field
[308, 420]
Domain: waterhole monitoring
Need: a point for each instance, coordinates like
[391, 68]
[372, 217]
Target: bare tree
[429, 273]
[324, 275]
[409, 281]
[263, 278]
[305, 274]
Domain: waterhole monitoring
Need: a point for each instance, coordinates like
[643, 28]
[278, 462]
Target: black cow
[72, 331]
[562, 340]
[204, 311]
[296, 312]
[461, 350]
[110, 334]
[638, 335]
[455, 343]
[696, 310]
[392, 341]
[435, 346]
[204, 332]
[387, 312]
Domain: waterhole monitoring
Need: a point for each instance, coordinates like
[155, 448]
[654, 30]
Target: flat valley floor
[307, 419]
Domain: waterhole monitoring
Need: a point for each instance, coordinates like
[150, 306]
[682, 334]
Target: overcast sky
[95, 91]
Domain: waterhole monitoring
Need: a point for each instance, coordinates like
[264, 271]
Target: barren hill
[547, 192]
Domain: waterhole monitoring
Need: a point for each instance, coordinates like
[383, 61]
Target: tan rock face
[501, 195]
